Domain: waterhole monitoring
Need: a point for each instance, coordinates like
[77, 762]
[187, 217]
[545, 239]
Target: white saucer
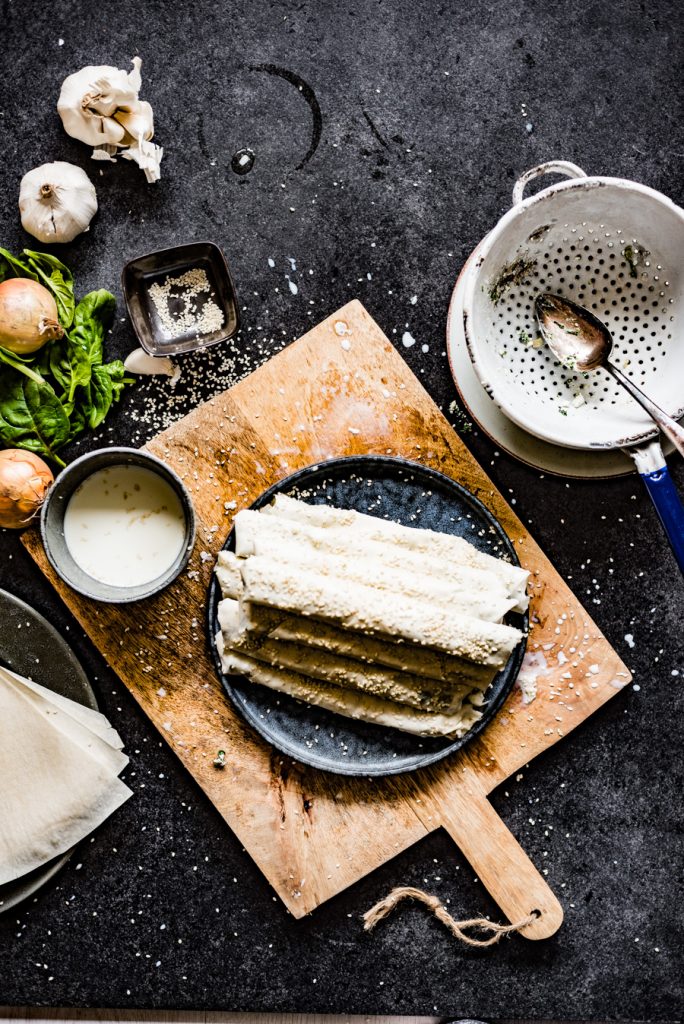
[550, 458]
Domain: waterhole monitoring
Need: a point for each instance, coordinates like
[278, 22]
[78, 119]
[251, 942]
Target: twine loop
[458, 929]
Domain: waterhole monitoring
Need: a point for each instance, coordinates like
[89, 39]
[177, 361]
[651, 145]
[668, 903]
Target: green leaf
[78, 422]
[59, 279]
[20, 363]
[31, 416]
[12, 266]
[106, 385]
[101, 394]
[117, 374]
[80, 369]
[69, 367]
[92, 318]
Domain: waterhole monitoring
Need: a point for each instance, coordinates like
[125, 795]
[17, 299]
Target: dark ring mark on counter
[374, 129]
[309, 95]
[201, 137]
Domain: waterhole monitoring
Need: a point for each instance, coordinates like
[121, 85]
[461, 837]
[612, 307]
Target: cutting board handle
[500, 862]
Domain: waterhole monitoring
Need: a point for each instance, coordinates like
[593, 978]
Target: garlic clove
[57, 201]
[140, 362]
[109, 92]
[99, 105]
[138, 121]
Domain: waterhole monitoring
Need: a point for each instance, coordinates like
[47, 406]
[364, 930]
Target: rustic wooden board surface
[341, 389]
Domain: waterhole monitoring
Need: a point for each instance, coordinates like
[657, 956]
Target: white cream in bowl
[124, 526]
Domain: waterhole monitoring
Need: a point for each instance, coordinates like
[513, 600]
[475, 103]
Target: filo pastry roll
[363, 707]
[442, 546]
[388, 683]
[323, 636]
[480, 592]
[228, 574]
[368, 610]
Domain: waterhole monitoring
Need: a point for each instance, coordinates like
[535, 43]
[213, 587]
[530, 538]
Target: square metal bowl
[143, 271]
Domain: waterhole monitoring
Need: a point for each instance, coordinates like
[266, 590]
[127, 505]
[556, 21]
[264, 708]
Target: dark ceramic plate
[155, 267]
[30, 646]
[414, 496]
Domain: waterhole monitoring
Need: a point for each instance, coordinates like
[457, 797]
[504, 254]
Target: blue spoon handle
[670, 511]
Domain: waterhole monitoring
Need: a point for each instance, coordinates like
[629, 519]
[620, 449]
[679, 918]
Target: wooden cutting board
[341, 389]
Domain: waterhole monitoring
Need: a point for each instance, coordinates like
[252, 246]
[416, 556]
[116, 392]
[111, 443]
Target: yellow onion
[28, 316]
[24, 483]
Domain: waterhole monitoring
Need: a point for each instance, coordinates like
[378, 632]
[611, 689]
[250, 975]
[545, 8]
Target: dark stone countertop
[422, 137]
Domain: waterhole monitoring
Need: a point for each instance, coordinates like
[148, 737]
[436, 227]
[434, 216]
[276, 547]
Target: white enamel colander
[616, 247]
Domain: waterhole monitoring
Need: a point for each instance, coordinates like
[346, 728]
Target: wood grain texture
[500, 862]
[314, 834]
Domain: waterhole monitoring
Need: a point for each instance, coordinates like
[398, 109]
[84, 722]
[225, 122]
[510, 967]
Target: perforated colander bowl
[612, 245]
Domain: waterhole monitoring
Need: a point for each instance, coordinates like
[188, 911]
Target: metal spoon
[582, 342]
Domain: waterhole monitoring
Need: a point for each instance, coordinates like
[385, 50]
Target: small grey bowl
[52, 524]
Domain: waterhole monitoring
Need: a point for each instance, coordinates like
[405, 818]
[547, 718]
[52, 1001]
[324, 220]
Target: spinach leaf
[107, 382]
[20, 363]
[80, 369]
[31, 415]
[101, 394]
[58, 278]
[78, 422]
[12, 266]
[117, 374]
[92, 317]
[69, 367]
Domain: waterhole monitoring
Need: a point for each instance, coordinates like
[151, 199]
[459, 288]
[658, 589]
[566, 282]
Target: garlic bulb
[99, 105]
[57, 202]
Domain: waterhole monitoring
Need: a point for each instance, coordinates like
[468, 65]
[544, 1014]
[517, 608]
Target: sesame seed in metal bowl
[181, 299]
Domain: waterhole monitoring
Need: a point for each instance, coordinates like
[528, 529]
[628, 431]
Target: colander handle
[653, 470]
[669, 508]
[551, 167]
